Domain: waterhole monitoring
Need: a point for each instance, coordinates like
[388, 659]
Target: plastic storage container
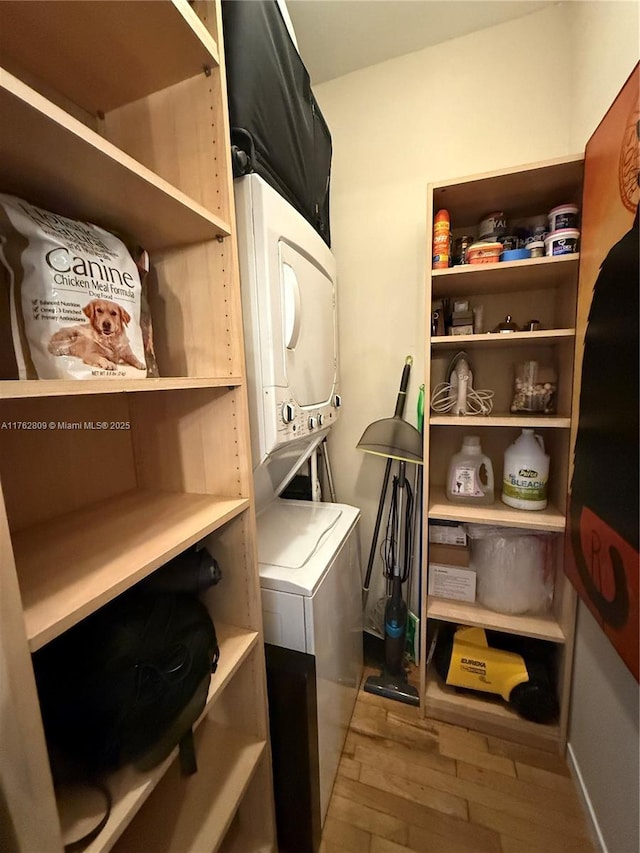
[484, 253]
[562, 242]
[493, 225]
[535, 387]
[465, 481]
[526, 473]
[513, 568]
[563, 216]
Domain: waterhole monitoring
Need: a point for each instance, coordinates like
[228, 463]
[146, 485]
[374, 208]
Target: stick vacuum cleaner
[395, 439]
[392, 681]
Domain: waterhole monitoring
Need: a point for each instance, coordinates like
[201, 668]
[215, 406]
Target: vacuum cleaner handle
[404, 383]
[400, 401]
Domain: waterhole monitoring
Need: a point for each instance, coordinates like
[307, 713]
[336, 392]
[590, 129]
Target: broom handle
[400, 401]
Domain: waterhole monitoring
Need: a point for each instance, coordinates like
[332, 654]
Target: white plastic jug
[526, 472]
[465, 484]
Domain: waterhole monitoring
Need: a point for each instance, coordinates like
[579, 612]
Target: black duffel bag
[127, 684]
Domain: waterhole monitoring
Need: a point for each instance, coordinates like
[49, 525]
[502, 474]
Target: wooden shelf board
[64, 576]
[524, 190]
[504, 277]
[22, 388]
[497, 513]
[507, 420]
[235, 644]
[486, 714]
[541, 627]
[494, 339]
[105, 185]
[152, 46]
[229, 769]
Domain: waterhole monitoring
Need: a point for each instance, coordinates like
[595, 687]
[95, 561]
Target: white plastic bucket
[563, 216]
[563, 242]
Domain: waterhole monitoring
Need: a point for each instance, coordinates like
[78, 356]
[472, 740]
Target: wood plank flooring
[411, 784]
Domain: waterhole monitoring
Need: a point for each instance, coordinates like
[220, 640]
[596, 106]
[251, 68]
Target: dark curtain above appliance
[277, 128]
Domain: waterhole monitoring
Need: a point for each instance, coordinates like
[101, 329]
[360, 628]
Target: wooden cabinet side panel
[28, 818]
[180, 134]
[187, 441]
[253, 827]
[237, 598]
[197, 324]
[63, 464]
[424, 567]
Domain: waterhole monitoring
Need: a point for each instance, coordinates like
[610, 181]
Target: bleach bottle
[526, 472]
[466, 482]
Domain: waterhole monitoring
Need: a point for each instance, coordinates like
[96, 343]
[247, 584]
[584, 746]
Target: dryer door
[309, 326]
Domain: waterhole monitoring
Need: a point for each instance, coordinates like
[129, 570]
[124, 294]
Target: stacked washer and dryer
[308, 551]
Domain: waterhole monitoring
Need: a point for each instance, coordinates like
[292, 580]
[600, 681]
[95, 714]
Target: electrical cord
[389, 545]
[445, 397]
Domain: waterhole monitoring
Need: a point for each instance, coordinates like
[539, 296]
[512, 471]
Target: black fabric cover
[277, 128]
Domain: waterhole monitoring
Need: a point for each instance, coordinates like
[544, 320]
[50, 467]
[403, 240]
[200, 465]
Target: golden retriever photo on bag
[102, 342]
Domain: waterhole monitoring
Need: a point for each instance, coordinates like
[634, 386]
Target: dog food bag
[71, 299]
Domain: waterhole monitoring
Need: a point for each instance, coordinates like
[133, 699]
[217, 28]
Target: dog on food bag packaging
[71, 299]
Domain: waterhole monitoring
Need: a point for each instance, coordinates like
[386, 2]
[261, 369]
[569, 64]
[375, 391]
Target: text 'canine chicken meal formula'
[71, 299]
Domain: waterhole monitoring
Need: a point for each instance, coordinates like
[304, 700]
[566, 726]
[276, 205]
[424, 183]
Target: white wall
[605, 47]
[468, 105]
[531, 89]
[603, 729]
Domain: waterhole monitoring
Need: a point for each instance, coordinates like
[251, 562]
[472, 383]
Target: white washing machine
[311, 603]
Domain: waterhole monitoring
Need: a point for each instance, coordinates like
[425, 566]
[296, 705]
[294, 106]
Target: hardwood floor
[411, 784]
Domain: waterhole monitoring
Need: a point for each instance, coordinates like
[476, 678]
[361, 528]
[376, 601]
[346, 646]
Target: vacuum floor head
[392, 687]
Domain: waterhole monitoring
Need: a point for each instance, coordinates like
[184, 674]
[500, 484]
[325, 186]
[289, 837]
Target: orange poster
[601, 543]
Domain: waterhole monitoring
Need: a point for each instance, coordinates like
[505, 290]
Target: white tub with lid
[563, 216]
[562, 242]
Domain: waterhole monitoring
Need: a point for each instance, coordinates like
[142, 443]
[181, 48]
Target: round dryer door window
[309, 324]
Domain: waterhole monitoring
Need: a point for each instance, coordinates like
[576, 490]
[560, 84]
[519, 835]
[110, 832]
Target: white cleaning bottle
[465, 484]
[526, 472]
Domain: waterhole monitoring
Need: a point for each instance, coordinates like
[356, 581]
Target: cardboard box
[452, 582]
[449, 555]
[447, 534]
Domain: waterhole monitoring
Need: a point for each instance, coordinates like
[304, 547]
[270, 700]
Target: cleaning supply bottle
[441, 240]
[526, 471]
[465, 481]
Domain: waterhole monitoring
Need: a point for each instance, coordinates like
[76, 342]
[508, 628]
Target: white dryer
[288, 285]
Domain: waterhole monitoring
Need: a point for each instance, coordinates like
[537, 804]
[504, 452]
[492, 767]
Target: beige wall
[603, 729]
[605, 46]
[531, 89]
[468, 105]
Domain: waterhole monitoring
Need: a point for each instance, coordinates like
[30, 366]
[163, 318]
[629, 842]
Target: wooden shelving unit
[499, 514]
[495, 339]
[20, 389]
[131, 132]
[504, 277]
[544, 289]
[487, 714]
[145, 530]
[493, 420]
[31, 122]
